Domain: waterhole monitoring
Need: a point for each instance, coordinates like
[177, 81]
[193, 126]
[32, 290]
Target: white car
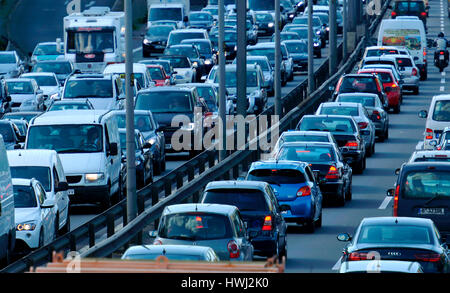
[34, 214]
[409, 72]
[438, 117]
[183, 68]
[48, 83]
[430, 156]
[25, 94]
[45, 166]
[139, 70]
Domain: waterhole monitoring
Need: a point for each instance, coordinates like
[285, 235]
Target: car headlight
[146, 41]
[188, 127]
[328, 29]
[235, 48]
[152, 141]
[195, 64]
[291, 15]
[316, 44]
[318, 33]
[271, 24]
[208, 62]
[137, 163]
[93, 177]
[30, 226]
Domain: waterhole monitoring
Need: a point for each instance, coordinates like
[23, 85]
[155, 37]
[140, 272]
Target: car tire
[386, 134]
[416, 91]
[66, 228]
[341, 198]
[348, 195]
[56, 232]
[397, 109]
[318, 222]
[359, 168]
[106, 202]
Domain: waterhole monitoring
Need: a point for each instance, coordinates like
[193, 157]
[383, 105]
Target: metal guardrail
[188, 187]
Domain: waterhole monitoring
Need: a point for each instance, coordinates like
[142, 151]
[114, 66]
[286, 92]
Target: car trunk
[342, 139]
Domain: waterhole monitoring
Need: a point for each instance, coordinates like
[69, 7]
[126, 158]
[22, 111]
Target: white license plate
[431, 211]
[441, 57]
[70, 191]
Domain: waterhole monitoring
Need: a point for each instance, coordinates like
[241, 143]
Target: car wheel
[372, 150]
[66, 228]
[348, 195]
[397, 109]
[56, 231]
[341, 198]
[319, 220]
[359, 168]
[106, 203]
[386, 134]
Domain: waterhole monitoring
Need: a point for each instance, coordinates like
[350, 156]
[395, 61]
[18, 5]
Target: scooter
[441, 60]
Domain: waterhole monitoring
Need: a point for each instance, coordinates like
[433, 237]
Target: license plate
[441, 57]
[70, 191]
[431, 211]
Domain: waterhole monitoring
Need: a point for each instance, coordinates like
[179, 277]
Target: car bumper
[264, 246]
[356, 155]
[300, 209]
[153, 48]
[332, 190]
[410, 82]
[88, 194]
[30, 239]
[300, 65]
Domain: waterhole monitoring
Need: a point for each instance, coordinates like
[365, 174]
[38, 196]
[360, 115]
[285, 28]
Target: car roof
[294, 41]
[18, 79]
[262, 45]
[396, 221]
[29, 157]
[308, 143]
[21, 181]
[368, 70]
[199, 207]
[328, 116]
[365, 75]
[411, 166]
[430, 153]
[192, 30]
[232, 184]
[305, 132]
[88, 116]
[380, 58]
[441, 97]
[281, 164]
[167, 89]
[37, 74]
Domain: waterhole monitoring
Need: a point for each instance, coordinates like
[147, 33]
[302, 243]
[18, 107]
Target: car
[318, 26]
[143, 157]
[295, 188]
[35, 215]
[213, 9]
[302, 136]
[437, 118]
[140, 72]
[298, 50]
[46, 167]
[443, 142]
[380, 266]
[62, 68]
[383, 59]
[25, 94]
[201, 19]
[359, 114]
[10, 64]
[183, 68]
[47, 51]
[266, 68]
[155, 39]
[230, 40]
[397, 238]
[191, 52]
[374, 107]
[391, 86]
[26, 115]
[284, 36]
[409, 72]
[158, 75]
[302, 32]
[398, 76]
[22, 126]
[177, 101]
[168, 69]
[265, 22]
[410, 8]
[70, 105]
[11, 135]
[176, 36]
[206, 50]
[171, 252]
[217, 226]
[145, 122]
[324, 17]
[48, 83]
[345, 131]
[430, 156]
[259, 209]
[102, 91]
[333, 174]
[377, 51]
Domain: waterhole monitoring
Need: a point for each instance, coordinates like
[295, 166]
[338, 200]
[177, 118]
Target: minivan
[88, 144]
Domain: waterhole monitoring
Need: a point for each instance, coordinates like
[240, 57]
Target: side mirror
[17, 146]
[433, 143]
[48, 204]
[416, 58]
[344, 237]
[113, 149]
[390, 6]
[159, 129]
[423, 114]
[241, 178]
[147, 145]
[397, 171]
[153, 234]
[124, 159]
[39, 92]
[390, 192]
[21, 138]
[62, 186]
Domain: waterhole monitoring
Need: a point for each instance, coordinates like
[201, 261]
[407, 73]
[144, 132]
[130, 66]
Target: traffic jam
[64, 140]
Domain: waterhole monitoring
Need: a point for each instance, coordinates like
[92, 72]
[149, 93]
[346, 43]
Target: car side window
[40, 193]
[240, 231]
[55, 178]
[309, 174]
[273, 199]
[107, 139]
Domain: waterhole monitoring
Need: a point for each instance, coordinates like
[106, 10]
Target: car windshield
[165, 13]
[42, 174]
[339, 110]
[155, 73]
[210, 98]
[261, 5]
[302, 33]
[55, 67]
[21, 126]
[88, 88]
[231, 78]
[230, 37]
[187, 51]
[7, 132]
[243, 199]
[262, 63]
[365, 101]
[76, 138]
[425, 184]
[179, 62]
[268, 52]
[404, 62]
[358, 84]
[304, 20]
[142, 122]
[43, 80]
[69, 106]
[200, 16]
[202, 47]
[395, 234]
[310, 154]
[324, 18]
[7, 59]
[335, 124]
[90, 41]
[123, 142]
[441, 111]
[379, 52]
[24, 197]
[297, 47]
[194, 226]
[159, 31]
[277, 176]
[20, 87]
[173, 102]
[19, 115]
[264, 17]
[47, 50]
[170, 256]
[287, 36]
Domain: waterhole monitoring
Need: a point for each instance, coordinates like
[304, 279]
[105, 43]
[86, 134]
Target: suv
[259, 209]
[410, 8]
[103, 91]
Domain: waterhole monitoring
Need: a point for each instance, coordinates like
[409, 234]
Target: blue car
[296, 189]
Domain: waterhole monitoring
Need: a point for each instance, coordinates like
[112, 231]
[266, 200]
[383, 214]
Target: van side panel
[113, 133]
[7, 220]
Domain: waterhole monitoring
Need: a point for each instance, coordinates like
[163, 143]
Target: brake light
[357, 256]
[233, 249]
[208, 114]
[376, 114]
[429, 133]
[424, 52]
[352, 144]
[397, 190]
[441, 52]
[362, 125]
[333, 173]
[394, 14]
[304, 191]
[414, 72]
[267, 223]
[428, 257]
[438, 148]
[423, 14]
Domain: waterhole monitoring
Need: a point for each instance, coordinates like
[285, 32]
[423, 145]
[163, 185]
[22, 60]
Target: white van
[46, 167]
[88, 144]
[438, 117]
[7, 219]
[409, 33]
[140, 71]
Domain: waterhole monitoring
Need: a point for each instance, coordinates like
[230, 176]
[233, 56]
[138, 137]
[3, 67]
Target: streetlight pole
[332, 37]
[241, 58]
[310, 49]
[277, 89]
[222, 102]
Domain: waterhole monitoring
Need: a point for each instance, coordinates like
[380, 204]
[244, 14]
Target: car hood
[156, 38]
[23, 215]
[6, 67]
[82, 163]
[299, 56]
[47, 57]
[233, 90]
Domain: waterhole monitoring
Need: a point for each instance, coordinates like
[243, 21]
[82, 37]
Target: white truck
[168, 10]
[94, 38]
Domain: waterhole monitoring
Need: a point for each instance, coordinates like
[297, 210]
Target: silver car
[48, 83]
[359, 114]
[266, 68]
[172, 252]
[25, 94]
[409, 72]
[217, 226]
[10, 64]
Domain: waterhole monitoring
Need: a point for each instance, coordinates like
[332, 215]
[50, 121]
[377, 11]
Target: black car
[166, 103]
[298, 50]
[345, 131]
[410, 8]
[147, 125]
[190, 51]
[207, 52]
[230, 38]
[397, 238]
[259, 209]
[144, 164]
[11, 135]
[333, 173]
[302, 32]
[265, 22]
[62, 68]
[155, 39]
[423, 191]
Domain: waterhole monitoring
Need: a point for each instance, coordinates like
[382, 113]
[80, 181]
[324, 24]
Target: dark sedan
[397, 238]
[155, 39]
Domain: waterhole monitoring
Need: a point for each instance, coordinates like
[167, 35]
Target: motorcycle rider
[441, 45]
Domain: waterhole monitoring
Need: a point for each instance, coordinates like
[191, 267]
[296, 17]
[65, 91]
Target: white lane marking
[443, 80]
[337, 265]
[442, 88]
[443, 73]
[385, 203]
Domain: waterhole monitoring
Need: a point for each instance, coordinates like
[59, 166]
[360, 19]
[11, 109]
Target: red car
[391, 86]
[158, 75]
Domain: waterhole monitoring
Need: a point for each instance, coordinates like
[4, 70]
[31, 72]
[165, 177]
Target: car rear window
[441, 111]
[385, 77]
[313, 154]
[432, 159]
[379, 52]
[243, 199]
[334, 124]
[398, 234]
[277, 176]
[365, 101]
[295, 138]
[405, 62]
[358, 84]
[346, 111]
[195, 226]
[425, 184]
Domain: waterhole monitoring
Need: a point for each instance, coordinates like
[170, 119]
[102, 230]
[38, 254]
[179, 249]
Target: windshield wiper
[438, 195]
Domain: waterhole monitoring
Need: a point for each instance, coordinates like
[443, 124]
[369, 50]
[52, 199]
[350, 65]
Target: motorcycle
[441, 59]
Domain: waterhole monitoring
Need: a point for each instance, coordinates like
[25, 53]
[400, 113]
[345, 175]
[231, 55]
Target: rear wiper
[438, 195]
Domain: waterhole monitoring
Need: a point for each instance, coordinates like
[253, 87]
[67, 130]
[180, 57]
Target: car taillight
[441, 52]
[333, 173]
[376, 114]
[267, 226]
[429, 133]
[397, 189]
[208, 114]
[393, 14]
[357, 256]
[414, 72]
[157, 242]
[233, 249]
[428, 257]
[423, 14]
[352, 144]
[304, 191]
[362, 125]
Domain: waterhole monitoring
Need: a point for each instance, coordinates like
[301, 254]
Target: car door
[46, 217]
[316, 193]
